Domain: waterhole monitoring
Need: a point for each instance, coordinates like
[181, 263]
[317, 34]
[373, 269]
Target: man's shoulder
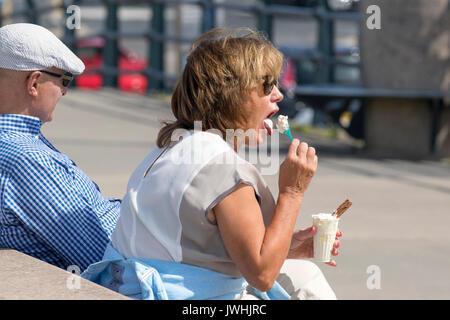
[17, 150]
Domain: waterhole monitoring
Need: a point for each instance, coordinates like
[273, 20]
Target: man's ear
[32, 83]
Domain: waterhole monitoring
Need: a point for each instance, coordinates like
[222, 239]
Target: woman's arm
[259, 252]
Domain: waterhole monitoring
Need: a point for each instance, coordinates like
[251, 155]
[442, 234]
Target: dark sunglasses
[268, 85]
[66, 78]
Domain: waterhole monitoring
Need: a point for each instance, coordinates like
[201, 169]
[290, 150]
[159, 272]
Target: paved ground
[398, 223]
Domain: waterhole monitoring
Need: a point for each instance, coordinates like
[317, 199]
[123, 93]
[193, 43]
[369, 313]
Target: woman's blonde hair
[222, 66]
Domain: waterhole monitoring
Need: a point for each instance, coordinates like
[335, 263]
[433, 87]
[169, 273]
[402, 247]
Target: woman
[199, 219]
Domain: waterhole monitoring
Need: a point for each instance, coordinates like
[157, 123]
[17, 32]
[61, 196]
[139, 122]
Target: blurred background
[368, 86]
[336, 82]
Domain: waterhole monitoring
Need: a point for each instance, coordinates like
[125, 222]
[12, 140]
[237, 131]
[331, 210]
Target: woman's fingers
[336, 244]
[310, 154]
[293, 147]
[302, 150]
[334, 252]
[302, 234]
[307, 153]
[332, 263]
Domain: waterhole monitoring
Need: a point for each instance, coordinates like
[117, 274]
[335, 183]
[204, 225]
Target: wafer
[342, 208]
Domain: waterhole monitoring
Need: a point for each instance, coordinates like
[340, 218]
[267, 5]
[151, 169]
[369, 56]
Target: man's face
[49, 89]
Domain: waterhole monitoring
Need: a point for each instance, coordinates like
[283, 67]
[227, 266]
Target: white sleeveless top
[164, 213]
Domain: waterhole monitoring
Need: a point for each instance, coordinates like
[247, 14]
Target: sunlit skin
[259, 251]
[262, 106]
[31, 93]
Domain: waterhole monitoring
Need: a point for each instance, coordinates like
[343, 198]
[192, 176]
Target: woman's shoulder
[199, 146]
[209, 138]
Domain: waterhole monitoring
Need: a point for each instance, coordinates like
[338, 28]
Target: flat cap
[28, 47]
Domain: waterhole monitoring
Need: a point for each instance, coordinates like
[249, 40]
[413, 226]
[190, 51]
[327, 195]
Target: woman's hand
[297, 169]
[302, 245]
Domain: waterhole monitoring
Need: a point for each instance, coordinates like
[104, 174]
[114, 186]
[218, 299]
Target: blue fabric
[150, 279]
[277, 292]
[49, 208]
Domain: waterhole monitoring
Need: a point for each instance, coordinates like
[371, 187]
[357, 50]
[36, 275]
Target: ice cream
[283, 125]
[326, 225]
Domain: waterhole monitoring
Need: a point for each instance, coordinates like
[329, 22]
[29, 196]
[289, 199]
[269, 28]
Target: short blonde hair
[221, 68]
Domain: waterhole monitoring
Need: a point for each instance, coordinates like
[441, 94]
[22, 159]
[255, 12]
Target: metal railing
[323, 55]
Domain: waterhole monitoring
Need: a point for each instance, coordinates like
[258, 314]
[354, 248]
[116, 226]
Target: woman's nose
[277, 96]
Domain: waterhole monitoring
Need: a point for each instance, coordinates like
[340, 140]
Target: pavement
[395, 240]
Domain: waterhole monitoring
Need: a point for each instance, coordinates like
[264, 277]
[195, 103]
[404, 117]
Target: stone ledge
[26, 278]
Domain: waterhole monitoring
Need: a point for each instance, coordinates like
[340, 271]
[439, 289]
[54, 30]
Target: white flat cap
[28, 47]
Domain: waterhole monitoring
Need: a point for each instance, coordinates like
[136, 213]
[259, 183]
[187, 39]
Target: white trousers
[302, 280]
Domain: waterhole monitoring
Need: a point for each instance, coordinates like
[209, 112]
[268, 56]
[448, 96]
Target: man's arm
[62, 206]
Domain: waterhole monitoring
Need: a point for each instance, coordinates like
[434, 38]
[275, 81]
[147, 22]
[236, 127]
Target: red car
[90, 52]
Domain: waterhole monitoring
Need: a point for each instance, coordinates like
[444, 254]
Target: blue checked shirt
[50, 209]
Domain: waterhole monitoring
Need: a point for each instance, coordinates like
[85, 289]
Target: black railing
[322, 55]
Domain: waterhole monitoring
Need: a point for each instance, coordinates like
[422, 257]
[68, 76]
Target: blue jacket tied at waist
[151, 279]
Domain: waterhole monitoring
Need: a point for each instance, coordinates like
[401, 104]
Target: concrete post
[411, 51]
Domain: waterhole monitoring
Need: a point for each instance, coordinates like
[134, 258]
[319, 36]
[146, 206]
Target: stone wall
[412, 48]
[398, 128]
[443, 136]
[410, 51]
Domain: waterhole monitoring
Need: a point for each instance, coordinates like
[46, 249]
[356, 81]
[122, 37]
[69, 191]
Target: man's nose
[64, 91]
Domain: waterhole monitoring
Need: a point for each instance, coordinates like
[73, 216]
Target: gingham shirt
[49, 208]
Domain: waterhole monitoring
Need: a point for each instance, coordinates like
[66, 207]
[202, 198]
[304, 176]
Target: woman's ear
[32, 83]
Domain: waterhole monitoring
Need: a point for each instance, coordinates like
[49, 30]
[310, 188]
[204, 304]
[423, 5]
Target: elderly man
[49, 208]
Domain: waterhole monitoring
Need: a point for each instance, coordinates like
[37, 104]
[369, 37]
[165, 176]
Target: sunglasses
[66, 78]
[268, 85]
